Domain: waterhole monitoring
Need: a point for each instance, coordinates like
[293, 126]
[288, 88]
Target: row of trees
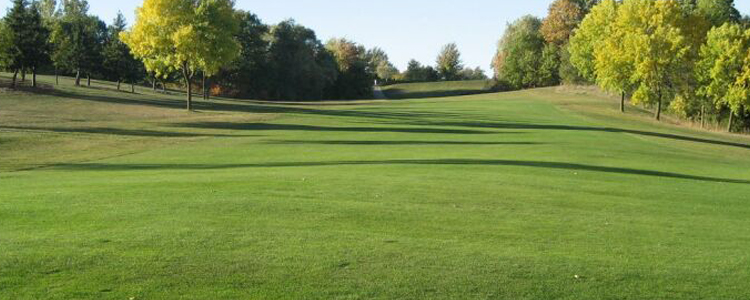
[37, 36]
[690, 56]
[449, 67]
[208, 40]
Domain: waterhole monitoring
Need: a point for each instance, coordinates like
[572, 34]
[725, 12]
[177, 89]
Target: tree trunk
[153, 84]
[188, 88]
[658, 109]
[57, 77]
[15, 78]
[163, 87]
[23, 74]
[33, 77]
[208, 92]
[703, 116]
[731, 120]
[78, 77]
[118, 84]
[622, 102]
[88, 80]
[132, 87]
[204, 85]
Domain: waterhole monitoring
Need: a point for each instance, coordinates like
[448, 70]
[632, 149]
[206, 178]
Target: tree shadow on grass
[115, 131]
[398, 143]
[294, 127]
[468, 162]
[524, 126]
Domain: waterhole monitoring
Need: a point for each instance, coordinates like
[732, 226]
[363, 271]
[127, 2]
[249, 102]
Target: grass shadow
[293, 127]
[462, 162]
[114, 131]
[399, 143]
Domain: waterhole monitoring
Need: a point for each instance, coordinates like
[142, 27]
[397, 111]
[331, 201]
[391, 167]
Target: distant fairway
[526, 195]
[437, 89]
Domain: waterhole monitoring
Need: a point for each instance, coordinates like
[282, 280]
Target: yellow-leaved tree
[184, 36]
[654, 41]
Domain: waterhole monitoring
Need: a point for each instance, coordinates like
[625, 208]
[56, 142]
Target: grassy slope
[488, 196]
[436, 89]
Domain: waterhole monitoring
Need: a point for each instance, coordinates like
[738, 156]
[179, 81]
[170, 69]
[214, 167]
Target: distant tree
[379, 64]
[722, 67]
[568, 73]
[449, 62]
[301, 66]
[192, 36]
[353, 80]
[518, 62]
[593, 30]
[719, 12]
[36, 50]
[386, 71]
[548, 73]
[119, 63]
[16, 27]
[7, 48]
[414, 71]
[249, 74]
[562, 19]
[472, 74]
[77, 40]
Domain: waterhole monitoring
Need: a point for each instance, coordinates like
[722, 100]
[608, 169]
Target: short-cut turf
[527, 195]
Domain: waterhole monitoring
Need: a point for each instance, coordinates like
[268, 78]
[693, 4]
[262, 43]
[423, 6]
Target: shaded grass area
[437, 89]
[525, 195]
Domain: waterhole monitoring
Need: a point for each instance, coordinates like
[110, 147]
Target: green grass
[437, 89]
[107, 195]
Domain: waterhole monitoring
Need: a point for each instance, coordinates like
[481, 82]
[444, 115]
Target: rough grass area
[524, 195]
[437, 89]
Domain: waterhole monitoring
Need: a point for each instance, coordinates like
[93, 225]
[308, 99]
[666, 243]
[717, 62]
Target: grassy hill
[437, 89]
[524, 195]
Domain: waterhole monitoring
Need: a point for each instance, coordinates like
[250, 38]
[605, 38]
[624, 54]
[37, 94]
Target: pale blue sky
[405, 29]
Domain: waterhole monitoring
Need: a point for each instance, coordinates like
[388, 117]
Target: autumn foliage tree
[563, 18]
[192, 36]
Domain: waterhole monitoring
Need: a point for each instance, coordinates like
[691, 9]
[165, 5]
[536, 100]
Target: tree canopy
[449, 62]
[194, 35]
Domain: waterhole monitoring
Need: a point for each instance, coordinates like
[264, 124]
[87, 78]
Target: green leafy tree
[36, 50]
[120, 65]
[386, 71]
[518, 62]
[194, 35]
[723, 63]
[562, 19]
[301, 67]
[77, 40]
[353, 80]
[379, 64]
[248, 75]
[16, 26]
[449, 62]
[416, 72]
[719, 12]
[7, 49]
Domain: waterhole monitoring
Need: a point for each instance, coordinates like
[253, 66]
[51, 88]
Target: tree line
[690, 57]
[210, 43]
